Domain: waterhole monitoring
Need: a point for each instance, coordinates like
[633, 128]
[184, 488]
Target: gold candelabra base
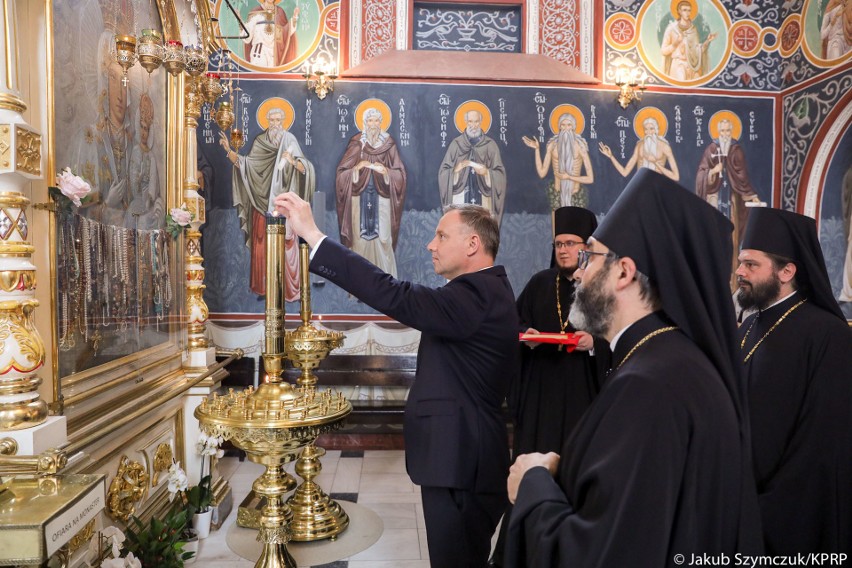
[271, 425]
[275, 516]
[315, 515]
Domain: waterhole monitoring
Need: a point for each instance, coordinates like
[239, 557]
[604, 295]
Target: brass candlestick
[315, 515]
[273, 422]
[271, 432]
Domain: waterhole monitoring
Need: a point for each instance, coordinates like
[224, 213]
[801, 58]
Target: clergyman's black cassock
[659, 465]
[800, 397]
[555, 387]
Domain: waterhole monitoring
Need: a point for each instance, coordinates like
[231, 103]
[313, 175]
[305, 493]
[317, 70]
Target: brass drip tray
[274, 406]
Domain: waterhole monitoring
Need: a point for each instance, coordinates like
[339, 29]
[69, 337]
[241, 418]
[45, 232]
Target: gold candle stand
[315, 515]
[273, 422]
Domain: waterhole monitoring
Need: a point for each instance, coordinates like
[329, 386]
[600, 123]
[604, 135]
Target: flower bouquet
[177, 220]
[198, 498]
[157, 544]
[70, 190]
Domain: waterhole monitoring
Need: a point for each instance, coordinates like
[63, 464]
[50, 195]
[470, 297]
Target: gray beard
[473, 132]
[592, 308]
[566, 151]
[725, 145]
[373, 136]
[275, 134]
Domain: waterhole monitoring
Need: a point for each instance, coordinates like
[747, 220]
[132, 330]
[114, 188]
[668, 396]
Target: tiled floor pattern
[374, 479]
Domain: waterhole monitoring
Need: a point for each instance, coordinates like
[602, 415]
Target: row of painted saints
[371, 176]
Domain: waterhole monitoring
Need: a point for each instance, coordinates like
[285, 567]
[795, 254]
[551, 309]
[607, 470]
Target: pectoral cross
[720, 154]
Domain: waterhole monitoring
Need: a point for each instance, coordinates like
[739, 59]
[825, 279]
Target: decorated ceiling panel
[744, 44]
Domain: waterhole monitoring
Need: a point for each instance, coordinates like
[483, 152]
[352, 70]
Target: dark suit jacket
[455, 433]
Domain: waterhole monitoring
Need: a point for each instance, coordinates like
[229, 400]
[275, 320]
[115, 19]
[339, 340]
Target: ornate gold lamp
[211, 88]
[273, 422]
[173, 58]
[195, 64]
[238, 139]
[150, 50]
[125, 53]
[195, 60]
[224, 115]
[315, 515]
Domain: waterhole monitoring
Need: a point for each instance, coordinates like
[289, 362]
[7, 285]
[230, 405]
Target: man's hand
[478, 168]
[461, 165]
[523, 464]
[299, 217]
[605, 150]
[531, 142]
[586, 342]
[532, 344]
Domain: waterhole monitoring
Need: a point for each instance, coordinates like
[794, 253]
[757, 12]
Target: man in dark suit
[455, 436]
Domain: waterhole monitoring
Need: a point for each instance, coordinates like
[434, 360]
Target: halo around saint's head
[692, 4]
[472, 104]
[736, 124]
[279, 103]
[377, 104]
[557, 113]
[650, 112]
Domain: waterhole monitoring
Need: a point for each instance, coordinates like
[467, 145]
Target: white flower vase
[201, 523]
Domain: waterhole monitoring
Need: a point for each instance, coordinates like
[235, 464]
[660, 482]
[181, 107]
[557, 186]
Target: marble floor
[374, 479]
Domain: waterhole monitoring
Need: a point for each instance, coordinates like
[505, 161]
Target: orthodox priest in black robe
[659, 465]
[555, 387]
[797, 354]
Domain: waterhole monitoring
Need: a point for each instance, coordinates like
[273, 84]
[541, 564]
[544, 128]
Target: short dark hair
[481, 222]
[778, 264]
[647, 289]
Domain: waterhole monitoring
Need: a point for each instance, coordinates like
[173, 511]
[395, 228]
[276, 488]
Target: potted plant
[158, 544]
[198, 498]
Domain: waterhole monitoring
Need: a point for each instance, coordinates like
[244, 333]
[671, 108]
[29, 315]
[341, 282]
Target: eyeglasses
[584, 256]
[566, 244]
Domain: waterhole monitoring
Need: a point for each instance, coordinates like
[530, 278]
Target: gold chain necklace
[642, 341]
[765, 335]
[562, 324]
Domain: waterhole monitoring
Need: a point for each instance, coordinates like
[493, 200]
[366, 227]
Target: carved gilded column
[200, 354]
[22, 351]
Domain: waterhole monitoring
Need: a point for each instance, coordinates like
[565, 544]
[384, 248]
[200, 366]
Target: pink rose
[181, 217]
[73, 187]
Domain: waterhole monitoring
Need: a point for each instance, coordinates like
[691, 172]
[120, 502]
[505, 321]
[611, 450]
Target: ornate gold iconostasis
[112, 339]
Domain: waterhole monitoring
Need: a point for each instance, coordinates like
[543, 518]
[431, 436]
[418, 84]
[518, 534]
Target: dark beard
[592, 309]
[568, 272]
[760, 295]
